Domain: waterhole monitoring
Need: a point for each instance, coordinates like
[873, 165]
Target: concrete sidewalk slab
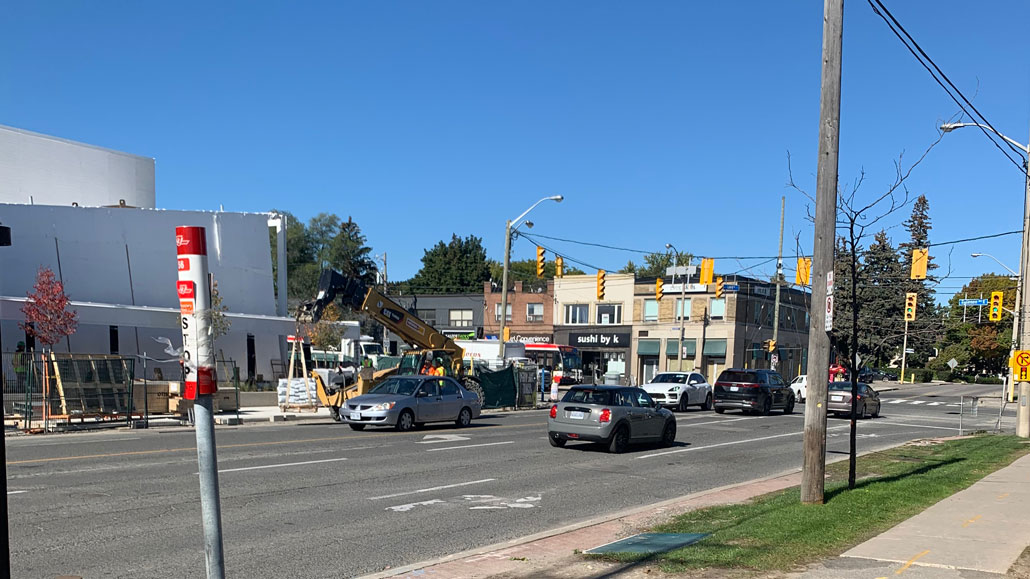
[982, 528]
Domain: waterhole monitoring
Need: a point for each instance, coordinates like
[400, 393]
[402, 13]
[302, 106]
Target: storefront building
[600, 329]
[530, 316]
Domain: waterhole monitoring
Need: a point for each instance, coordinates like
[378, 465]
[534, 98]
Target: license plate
[837, 398]
[355, 416]
[734, 388]
[577, 415]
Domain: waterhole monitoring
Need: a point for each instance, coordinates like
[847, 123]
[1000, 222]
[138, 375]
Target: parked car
[800, 387]
[407, 402]
[838, 400]
[753, 391]
[680, 390]
[884, 375]
[614, 415]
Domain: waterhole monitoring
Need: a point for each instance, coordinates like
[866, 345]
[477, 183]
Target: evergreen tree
[349, 255]
[845, 259]
[926, 330]
[302, 271]
[883, 308]
[455, 267]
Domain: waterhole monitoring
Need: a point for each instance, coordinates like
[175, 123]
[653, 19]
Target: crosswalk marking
[935, 404]
[898, 401]
[917, 401]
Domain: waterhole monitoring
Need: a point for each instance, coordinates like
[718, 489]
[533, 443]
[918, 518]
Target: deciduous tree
[47, 318]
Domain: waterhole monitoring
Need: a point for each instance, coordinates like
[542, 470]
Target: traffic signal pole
[779, 282]
[1022, 410]
[904, 352]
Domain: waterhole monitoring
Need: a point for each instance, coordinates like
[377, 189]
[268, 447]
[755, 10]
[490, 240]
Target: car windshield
[372, 349]
[670, 378]
[585, 396]
[798, 379]
[731, 376]
[395, 386]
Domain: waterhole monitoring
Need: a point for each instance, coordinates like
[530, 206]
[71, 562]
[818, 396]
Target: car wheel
[877, 413]
[406, 421]
[669, 434]
[720, 410]
[683, 403]
[464, 418]
[865, 411]
[789, 408]
[708, 403]
[767, 406]
[334, 411]
[619, 440]
[357, 427]
[556, 441]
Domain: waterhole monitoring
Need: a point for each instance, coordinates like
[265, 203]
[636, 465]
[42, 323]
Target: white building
[118, 264]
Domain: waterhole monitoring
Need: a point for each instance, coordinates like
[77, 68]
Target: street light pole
[1017, 319]
[683, 299]
[1022, 410]
[507, 263]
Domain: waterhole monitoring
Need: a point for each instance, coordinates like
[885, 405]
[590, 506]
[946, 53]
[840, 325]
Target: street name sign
[731, 287]
[973, 302]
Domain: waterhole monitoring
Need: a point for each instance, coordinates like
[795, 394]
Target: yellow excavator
[431, 344]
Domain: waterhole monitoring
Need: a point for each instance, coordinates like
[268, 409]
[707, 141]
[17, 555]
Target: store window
[608, 314]
[534, 313]
[717, 307]
[577, 313]
[650, 310]
[461, 318]
[427, 316]
[682, 309]
[497, 313]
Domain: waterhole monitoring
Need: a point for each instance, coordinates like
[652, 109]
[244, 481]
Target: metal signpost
[194, 291]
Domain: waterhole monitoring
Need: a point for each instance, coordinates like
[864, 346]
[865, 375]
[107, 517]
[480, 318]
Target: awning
[649, 347]
[716, 348]
[689, 344]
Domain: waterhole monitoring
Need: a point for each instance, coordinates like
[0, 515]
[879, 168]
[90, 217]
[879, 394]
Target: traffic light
[539, 261]
[804, 271]
[600, 284]
[769, 345]
[559, 266]
[506, 334]
[659, 289]
[920, 258]
[996, 301]
[910, 306]
[707, 270]
[718, 287]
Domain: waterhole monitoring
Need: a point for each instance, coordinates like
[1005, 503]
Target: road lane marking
[280, 465]
[917, 401]
[93, 441]
[16, 492]
[935, 404]
[717, 421]
[409, 506]
[431, 438]
[429, 490]
[971, 521]
[652, 455]
[910, 561]
[1003, 495]
[238, 445]
[897, 401]
[471, 445]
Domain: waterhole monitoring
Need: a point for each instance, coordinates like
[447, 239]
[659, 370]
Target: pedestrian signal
[659, 289]
[559, 266]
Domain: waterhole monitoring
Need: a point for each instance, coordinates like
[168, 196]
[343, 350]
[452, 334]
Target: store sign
[691, 288]
[600, 339]
[526, 339]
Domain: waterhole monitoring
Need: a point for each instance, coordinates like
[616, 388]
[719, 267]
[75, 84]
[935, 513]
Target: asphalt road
[315, 499]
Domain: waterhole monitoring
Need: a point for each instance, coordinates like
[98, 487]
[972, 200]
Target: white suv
[680, 389]
[800, 387]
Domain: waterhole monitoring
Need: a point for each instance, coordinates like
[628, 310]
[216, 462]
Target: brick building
[530, 311]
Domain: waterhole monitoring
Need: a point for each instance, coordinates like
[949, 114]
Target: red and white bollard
[198, 354]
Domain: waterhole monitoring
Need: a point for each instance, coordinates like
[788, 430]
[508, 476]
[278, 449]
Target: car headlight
[674, 389]
[383, 406]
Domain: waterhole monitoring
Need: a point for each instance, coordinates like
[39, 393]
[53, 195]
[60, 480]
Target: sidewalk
[977, 533]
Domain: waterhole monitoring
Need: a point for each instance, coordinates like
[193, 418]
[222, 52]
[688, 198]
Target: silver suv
[613, 415]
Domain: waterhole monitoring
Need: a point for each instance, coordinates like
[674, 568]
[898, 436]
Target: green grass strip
[777, 532]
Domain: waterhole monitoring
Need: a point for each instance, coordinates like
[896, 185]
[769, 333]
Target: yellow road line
[971, 521]
[1003, 495]
[910, 561]
[238, 445]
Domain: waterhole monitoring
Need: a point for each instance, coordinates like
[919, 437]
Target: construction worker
[438, 368]
[427, 365]
[21, 366]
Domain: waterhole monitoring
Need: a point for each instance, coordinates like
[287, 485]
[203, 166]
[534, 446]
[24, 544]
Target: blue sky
[659, 122]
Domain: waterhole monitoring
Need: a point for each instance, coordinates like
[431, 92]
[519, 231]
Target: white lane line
[733, 442]
[16, 492]
[281, 465]
[429, 490]
[916, 401]
[718, 421]
[896, 401]
[470, 446]
[935, 404]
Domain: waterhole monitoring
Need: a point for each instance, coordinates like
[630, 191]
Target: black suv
[753, 391]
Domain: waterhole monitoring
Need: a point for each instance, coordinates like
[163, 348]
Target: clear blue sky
[659, 121]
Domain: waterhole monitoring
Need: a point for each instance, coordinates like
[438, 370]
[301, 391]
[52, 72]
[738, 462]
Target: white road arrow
[432, 438]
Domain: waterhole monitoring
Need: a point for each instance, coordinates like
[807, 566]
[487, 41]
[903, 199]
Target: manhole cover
[649, 543]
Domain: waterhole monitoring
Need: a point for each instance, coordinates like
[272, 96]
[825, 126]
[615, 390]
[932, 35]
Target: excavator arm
[354, 293]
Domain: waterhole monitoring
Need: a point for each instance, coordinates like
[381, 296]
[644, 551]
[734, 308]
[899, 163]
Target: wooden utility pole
[814, 466]
[779, 282]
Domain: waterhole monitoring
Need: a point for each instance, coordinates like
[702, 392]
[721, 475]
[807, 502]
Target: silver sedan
[407, 402]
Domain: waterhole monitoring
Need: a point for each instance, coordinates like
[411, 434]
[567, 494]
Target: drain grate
[649, 543]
